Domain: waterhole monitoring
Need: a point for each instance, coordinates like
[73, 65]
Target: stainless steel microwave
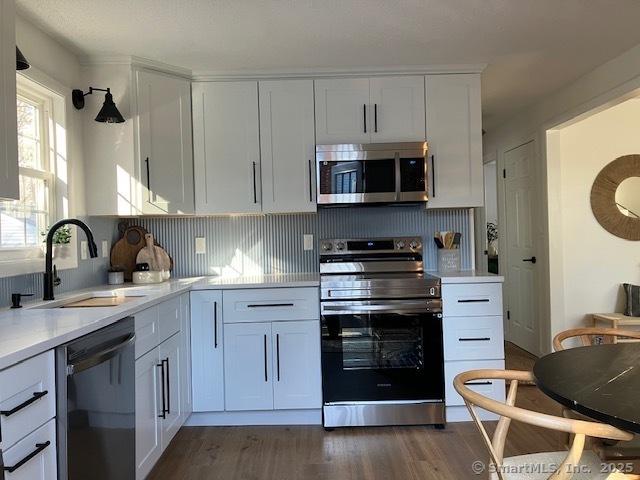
[372, 173]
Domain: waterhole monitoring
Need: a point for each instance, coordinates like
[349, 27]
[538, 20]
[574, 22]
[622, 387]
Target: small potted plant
[492, 238]
[61, 241]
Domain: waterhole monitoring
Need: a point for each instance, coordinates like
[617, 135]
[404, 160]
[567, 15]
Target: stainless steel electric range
[381, 317]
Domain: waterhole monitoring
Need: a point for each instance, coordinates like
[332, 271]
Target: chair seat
[536, 467]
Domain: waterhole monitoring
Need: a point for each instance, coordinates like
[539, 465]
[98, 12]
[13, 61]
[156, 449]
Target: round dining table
[601, 382]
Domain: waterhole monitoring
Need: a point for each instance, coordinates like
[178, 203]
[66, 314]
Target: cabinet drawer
[27, 397]
[168, 318]
[147, 330]
[473, 338]
[491, 388]
[270, 304]
[43, 465]
[470, 300]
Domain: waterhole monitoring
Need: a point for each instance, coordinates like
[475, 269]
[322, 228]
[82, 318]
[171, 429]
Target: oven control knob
[414, 244]
[340, 246]
[400, 244]
[326, 246]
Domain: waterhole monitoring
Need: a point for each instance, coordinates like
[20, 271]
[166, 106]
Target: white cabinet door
[207, 360]
[297, 381]
[148, 409]
[247, 366]
[8, 115]
[186, 397]
[287, 146]
[226, 147]
[166, 156]
[343, 114]
[397, 109]
[454, 135]
[171, 357]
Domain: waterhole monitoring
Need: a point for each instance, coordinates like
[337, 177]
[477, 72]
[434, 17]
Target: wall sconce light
[21, 62]
[107, 114]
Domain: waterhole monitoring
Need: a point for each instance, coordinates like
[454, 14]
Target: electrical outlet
[105, 248]
[308, 242]
[84, 250]
[201, 245]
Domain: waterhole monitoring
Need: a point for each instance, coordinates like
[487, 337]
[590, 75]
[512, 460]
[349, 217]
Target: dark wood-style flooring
[383, 453]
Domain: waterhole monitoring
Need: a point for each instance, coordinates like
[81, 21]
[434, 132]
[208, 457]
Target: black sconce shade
[21, 62]
[108, 113]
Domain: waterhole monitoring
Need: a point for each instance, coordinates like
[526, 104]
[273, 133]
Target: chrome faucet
[49, 275]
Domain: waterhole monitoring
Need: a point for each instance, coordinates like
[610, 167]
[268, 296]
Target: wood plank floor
[382, 453]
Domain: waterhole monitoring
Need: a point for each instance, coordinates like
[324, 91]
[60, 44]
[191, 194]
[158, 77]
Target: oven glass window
[357, 176]
[412, 174]
[387, 348]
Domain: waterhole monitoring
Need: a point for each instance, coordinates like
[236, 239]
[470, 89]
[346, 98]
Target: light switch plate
[105, 248]
[201, 245]
[308, 242]
[84, 250]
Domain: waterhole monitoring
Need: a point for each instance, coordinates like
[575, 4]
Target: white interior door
[521, 285]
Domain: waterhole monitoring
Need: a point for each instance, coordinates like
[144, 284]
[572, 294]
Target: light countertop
[467, 276]
[31, 330]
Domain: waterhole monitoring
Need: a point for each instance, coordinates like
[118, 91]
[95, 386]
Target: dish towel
[632, 305]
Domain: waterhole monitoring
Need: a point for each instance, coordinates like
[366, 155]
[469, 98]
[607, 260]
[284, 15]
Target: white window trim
[21, 261]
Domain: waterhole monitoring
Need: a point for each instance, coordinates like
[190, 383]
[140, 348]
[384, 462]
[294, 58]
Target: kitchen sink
[99, 299]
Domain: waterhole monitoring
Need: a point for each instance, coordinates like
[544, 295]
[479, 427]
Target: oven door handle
[405, 307]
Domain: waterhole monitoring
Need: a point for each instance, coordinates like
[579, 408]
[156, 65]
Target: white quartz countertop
[467, 276]
[34, 329]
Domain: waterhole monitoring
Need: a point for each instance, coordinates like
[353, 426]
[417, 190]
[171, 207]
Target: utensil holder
[448, 260]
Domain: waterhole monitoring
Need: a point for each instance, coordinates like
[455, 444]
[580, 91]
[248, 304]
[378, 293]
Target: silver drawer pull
[475, 339]
[270, 305]
[474, 300]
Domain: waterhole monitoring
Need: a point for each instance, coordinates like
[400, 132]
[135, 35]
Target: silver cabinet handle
[146, 160]
[375, 117]
[310, 182]
[278, 354]
[168, 387]
[163, 415]
[433, 176]
[364, 109]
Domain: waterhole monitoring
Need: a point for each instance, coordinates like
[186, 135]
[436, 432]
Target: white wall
[595, 262]
[605, 86]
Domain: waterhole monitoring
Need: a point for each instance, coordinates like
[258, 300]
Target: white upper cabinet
[370, 110]
[287, 146]
[397, 109]
[454, 135]
[226, 147]
[166, 157]
[342, 111]
[9, 188]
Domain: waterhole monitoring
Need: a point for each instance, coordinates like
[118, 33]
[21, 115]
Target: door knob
[532, 260]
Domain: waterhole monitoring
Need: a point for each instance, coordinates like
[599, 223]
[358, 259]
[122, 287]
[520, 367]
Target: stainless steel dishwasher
[95, 377]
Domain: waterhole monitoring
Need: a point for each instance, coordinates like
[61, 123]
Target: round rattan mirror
[615, 197]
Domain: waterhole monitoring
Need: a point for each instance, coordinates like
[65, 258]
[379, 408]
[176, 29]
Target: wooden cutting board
[125, 250]
[156, 256]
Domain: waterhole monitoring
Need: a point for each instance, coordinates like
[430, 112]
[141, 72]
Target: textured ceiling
[532, 47]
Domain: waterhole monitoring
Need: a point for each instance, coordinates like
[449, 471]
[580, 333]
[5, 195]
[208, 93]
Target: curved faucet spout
[48, 270]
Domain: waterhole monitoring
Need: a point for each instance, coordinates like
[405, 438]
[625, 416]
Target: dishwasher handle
[99, 357]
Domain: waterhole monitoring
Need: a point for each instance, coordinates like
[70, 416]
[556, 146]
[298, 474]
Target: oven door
[381, 351]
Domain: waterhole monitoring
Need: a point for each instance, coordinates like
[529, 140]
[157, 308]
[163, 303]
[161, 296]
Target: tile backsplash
[274, 243]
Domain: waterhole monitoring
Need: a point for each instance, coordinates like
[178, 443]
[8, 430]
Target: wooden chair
[606, 450]
[587, 336]
[515, 468]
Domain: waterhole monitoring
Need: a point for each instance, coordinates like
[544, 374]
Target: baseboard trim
[278, 417]
[461, 414]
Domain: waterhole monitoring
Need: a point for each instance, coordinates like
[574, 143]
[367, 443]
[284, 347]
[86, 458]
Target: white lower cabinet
[186, 395]
[297, 381]
[162, 384]
[247, 366]
[43, 465]
[207, 358]
[251, 354]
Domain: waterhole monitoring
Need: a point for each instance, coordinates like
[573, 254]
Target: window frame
[37, 88]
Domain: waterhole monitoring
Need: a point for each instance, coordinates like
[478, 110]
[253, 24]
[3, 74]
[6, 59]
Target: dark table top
[602, 382]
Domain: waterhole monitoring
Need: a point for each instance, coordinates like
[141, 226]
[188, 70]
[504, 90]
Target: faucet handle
[56, 279]
[16, 297]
